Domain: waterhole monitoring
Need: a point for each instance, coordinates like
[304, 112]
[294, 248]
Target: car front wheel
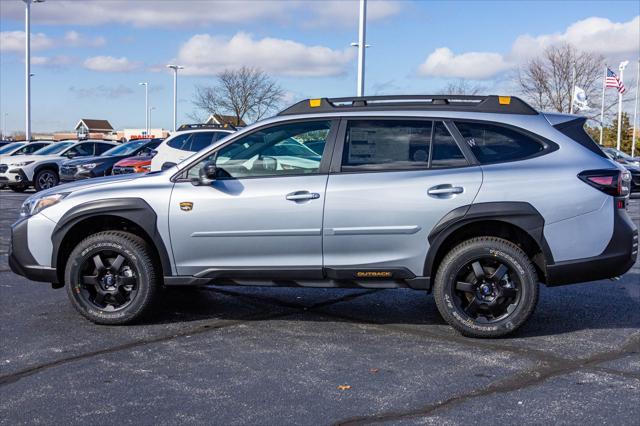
[111, 278]
[45, 179]
[486, 287]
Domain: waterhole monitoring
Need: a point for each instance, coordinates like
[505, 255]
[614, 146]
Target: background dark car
[90, 167]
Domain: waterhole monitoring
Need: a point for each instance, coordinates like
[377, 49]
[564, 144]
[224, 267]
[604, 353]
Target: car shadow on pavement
[599, 305]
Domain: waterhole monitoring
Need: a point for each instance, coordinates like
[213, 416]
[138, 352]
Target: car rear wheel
[111, 278]
[486, 287]
[45, 179]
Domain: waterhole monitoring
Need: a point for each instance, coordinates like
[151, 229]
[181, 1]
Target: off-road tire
[136, 252]
[503, 251]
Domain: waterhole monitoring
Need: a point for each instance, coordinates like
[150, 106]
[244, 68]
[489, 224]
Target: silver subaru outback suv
[476, 199]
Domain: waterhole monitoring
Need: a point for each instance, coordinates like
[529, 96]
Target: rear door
[391, 181]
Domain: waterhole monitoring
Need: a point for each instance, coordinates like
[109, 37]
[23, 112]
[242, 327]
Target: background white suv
[41, 169]
[184, 143]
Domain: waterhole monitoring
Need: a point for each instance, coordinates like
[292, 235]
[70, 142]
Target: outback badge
[186, 206]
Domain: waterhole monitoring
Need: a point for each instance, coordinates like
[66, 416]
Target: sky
[89, 56]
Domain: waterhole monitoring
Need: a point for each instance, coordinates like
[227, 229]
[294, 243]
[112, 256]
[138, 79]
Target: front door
[395, 179]
[263, 215]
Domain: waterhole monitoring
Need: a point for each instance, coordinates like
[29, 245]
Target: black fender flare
[135, 210]
[519, 214]
[52, 166]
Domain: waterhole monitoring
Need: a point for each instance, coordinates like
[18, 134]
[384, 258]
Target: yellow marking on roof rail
[314, 103]
[504, 100]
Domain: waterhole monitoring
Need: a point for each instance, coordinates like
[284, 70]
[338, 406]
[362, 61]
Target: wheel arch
[49, 166]
[128, 214]
[517, 222]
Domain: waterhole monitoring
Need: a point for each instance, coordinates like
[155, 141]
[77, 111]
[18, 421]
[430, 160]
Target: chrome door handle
[444, 190]
[302, 195]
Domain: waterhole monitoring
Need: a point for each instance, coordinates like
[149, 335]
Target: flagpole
[622, 66]
[604, 81]
[573, 89]
[635, 113]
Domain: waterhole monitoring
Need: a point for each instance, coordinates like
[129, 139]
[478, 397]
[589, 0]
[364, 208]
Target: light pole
[635, 113]
[362, 35]
[146, 105]
[623, 65]
[149, 128]
[175, 69]
[4, 125]
[27, 66]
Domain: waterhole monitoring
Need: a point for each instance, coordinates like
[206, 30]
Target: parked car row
[632, 164]
[45, 164]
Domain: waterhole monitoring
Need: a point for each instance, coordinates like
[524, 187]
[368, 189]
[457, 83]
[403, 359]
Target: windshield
[54, 148]
[125, 149]
[11, 147]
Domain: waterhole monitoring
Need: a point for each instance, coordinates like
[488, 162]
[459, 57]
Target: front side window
[273, 151]
[29, 148]
[494, 144]
[101, 148]
[387, 144]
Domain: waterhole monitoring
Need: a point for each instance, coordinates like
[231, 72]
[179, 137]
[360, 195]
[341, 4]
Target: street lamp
[621, 68]
[146, 105]
[4, 125]
[175, 69]
[149, 128]
[27, 66]
[361, 45]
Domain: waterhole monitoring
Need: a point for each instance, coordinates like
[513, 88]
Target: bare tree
[462, 87]
[547, 80]
[247, 93]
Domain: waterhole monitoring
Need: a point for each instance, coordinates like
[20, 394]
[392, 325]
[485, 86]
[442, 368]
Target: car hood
[131, 161]
[95, 159]
[86, 183]
[21, 158]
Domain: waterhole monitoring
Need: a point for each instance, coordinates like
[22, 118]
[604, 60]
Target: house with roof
[225, 119]
[88, 128]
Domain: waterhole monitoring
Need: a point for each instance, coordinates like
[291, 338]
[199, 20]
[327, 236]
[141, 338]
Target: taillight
[613, 182]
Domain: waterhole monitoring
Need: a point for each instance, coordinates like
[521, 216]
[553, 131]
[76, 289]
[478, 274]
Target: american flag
[612, 80]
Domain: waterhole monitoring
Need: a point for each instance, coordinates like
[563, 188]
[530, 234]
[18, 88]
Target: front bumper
[616, 259]
[14, 176]
[20, 259]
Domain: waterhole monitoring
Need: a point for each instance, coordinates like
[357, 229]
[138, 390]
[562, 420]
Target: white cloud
[196, 13]
[597, 35]
[52, 61]
[204, 54]
[110, 64]
[472, 65]
[75, 39]
[13, 41]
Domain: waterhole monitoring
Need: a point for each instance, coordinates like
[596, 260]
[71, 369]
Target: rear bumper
[616, 259]
[20, 259]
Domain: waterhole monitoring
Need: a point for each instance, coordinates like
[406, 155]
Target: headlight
[22, 164]
[35, 205]
[90, 166]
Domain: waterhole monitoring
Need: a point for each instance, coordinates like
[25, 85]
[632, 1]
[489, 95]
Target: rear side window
[387, 145]
[495, 144]
[102, 147]
[201, 140]
[446, 152]
[180, 142]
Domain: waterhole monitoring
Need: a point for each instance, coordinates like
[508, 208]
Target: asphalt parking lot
[270, 356]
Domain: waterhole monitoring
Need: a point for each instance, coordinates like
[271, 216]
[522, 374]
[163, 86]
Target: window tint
[201, 140]
[180, 141]
[80, 150]
[387, 144]
[446, 152]
[274, 151]
[30, 148]
[491, 143]
[102, 147]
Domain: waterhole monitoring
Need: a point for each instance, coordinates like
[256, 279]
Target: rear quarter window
[492, 143]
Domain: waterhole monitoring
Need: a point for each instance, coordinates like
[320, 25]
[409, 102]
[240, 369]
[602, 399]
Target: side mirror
[167, 165]
[206, 175]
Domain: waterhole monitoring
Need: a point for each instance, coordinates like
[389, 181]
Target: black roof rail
[225, 126]
[489, 104]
